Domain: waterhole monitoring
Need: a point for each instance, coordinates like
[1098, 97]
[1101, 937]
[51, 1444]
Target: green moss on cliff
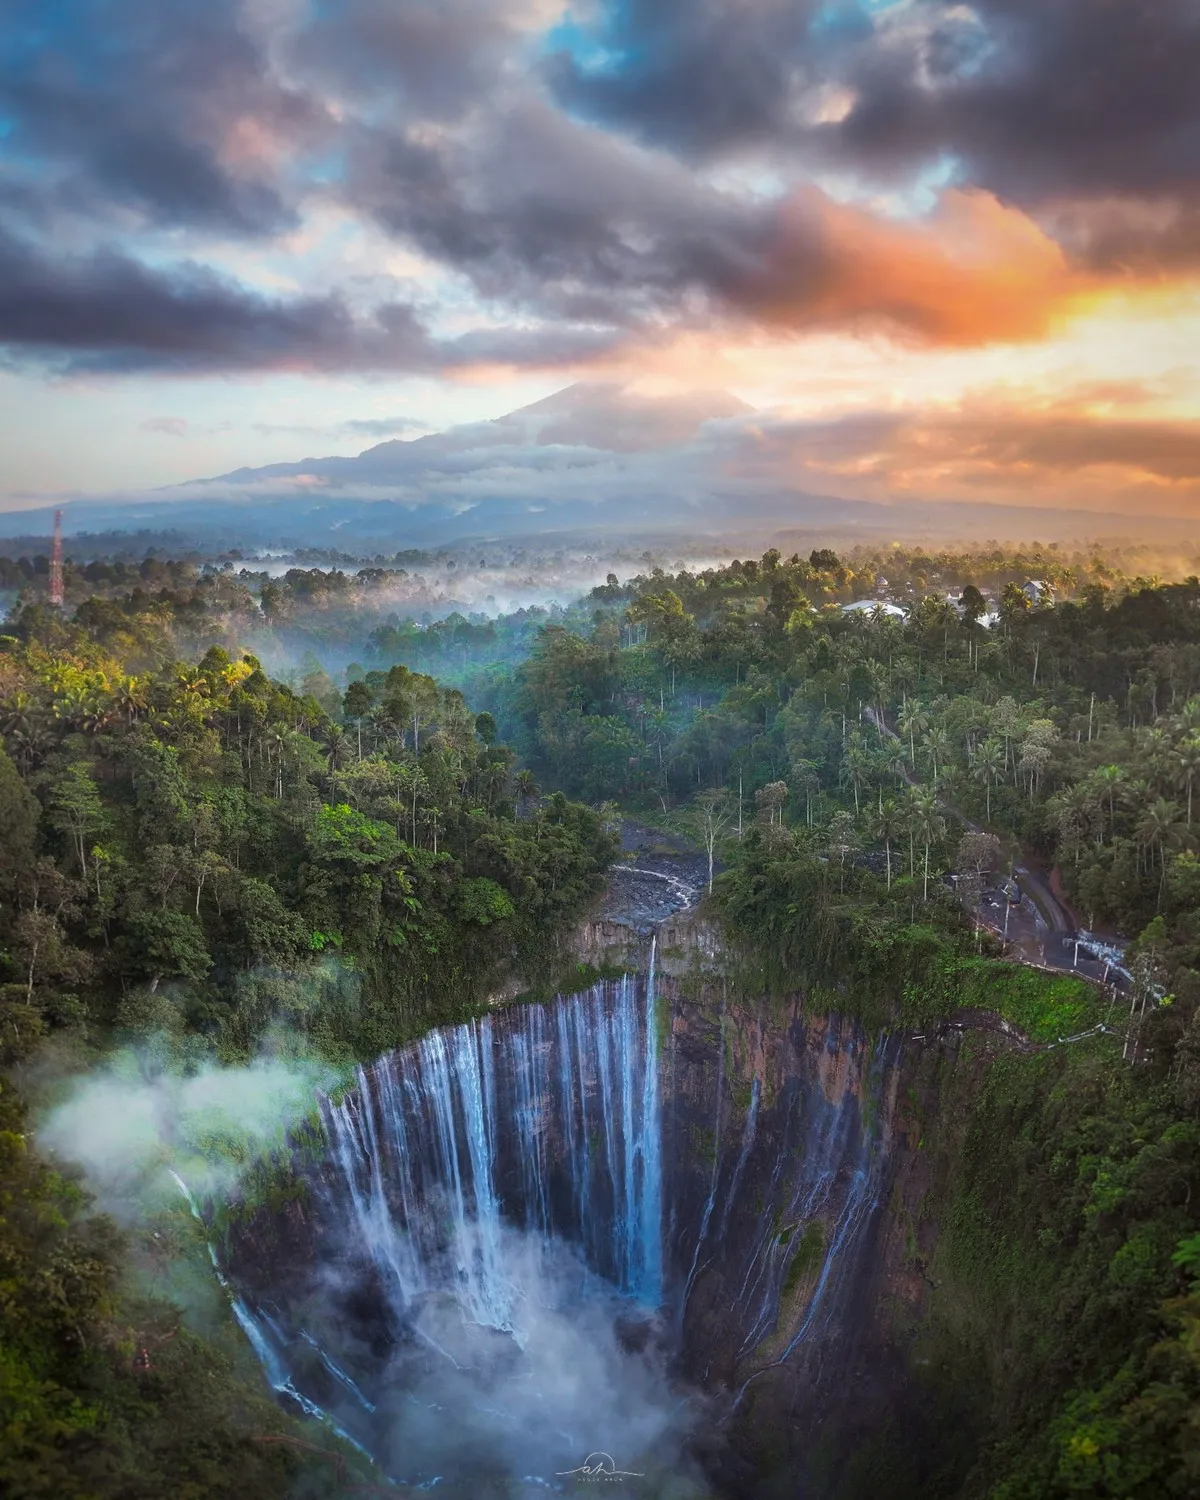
[1059, 1307]
[806, 1257]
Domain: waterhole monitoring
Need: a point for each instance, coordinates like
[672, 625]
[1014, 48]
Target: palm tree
[1109, 781]
[988, 767]
[1074, 808]
[1155, 753]
[913, 720]
[25, 726]
[1014, 605]
[1158, 827]
[927, 823]
[806, 772]
[1186, 762]
[131, 697]
[877, 676]
[526, 787]
[894, 762]
[1135, 793]
[937, 742]
[887, 825]
[191, 689]
[857, 761]
[1188, 717]
[339, 747]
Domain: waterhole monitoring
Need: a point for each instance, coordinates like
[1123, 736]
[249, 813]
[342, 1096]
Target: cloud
[133, 1121]
[566, 192]
[1081, 102]
[105, 312]
[989, 446]
[359, 427]
[566, 222]
[426, 59]
[977, 271]
[163, 109]
[167, 426]
[382, 427]
[698, 76]
[592, 455]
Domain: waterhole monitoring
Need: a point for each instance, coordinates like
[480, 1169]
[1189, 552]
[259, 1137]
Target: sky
[944, 251]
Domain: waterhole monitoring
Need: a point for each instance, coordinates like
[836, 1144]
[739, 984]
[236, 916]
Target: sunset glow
[241, 233]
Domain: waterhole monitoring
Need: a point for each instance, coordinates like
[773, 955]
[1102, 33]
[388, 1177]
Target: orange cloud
[976, 271]
[991, 448]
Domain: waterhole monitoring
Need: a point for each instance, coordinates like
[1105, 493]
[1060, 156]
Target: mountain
[589, 463]
[606, 418]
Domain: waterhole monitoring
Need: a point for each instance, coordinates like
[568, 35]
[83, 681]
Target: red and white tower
[56, 581]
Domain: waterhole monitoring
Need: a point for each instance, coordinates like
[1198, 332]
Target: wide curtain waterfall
[476, 1302]
[550, 1121]
[524, 1230]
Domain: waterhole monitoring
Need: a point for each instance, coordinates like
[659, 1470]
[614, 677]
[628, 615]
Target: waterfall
[501, 1198]
[550, 1121]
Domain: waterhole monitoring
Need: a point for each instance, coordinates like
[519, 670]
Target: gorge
[648, 1221]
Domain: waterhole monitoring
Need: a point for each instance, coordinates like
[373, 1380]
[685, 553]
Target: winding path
[1047, 935]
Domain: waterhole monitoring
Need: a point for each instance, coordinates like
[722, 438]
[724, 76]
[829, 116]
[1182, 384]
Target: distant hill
[591, 462]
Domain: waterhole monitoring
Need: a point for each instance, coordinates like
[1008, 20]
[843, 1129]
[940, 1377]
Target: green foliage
[80, 1418]
[856, 950]
[1043, 1006]
[483, 901]
[207, 830]
[200, 853]
[1059, 1279]
[806, 1257]
[191, 857]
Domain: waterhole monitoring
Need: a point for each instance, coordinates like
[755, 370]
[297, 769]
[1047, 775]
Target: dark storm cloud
[1078, 98]
[130, 125]
[156, 106]
[541, 211]
[698, 76]
[1035, 100]
[547, 215]
[106, 312]
[424, 59]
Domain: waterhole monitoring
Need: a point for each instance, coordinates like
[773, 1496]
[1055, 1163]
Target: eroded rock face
[778, 1135]
[773, 1214]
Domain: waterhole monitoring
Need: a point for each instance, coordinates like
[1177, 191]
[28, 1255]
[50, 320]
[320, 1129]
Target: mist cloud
[131, 1122]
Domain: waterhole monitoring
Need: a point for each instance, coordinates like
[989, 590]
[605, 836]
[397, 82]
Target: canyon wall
[785, 1217]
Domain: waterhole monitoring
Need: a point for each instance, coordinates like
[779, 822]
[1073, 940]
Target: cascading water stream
[273, 1367]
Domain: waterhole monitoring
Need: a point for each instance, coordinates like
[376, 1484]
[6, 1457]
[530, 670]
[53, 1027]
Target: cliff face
[778, 1135]
[805, 1166]
[802, 1168]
